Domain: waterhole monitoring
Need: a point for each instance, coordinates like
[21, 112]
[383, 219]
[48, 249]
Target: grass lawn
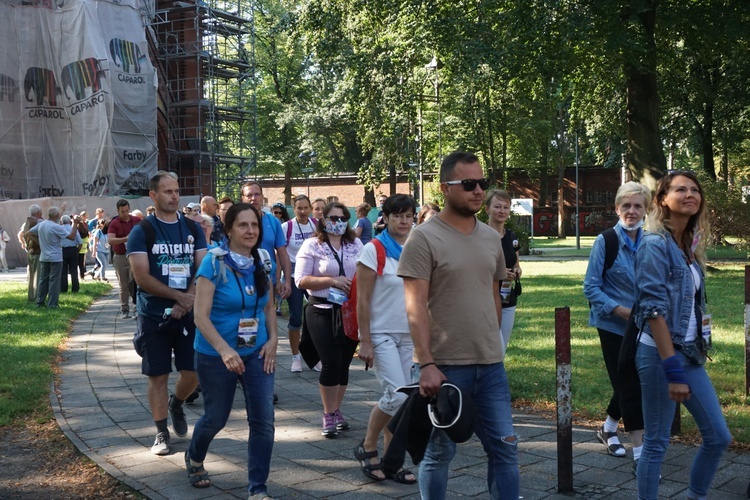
[531, 354]
[30, 338]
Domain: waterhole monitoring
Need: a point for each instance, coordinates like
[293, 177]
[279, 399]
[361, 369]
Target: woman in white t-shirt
[296, 231]
[385, 340]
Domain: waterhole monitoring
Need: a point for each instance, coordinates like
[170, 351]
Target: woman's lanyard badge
[247, 329]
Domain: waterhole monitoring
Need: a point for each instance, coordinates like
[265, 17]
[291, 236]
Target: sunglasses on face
[337, 218]
[276, 212]
[471, 184]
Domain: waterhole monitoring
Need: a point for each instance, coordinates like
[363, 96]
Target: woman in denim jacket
[671, 352]
[611, 294]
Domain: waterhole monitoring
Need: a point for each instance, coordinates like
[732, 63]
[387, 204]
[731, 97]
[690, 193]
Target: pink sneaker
[329, 425]
[341, 423]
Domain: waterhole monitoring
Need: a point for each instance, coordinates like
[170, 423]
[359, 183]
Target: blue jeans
[658, 412]
[218, 385]
[488, 386]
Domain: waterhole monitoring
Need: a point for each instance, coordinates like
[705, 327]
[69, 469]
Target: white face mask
[338, 228]
[635, 227]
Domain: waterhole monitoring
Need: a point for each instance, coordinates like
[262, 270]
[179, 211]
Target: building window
[332, 199]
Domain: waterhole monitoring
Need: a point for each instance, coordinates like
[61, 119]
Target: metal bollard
[564, 401]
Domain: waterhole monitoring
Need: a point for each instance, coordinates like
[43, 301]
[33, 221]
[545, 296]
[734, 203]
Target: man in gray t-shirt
[452, 267]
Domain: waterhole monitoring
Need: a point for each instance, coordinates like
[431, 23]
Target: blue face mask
[242, 262]
[338, 228]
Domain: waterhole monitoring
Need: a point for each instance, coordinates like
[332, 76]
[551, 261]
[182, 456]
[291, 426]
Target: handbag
[518, 289]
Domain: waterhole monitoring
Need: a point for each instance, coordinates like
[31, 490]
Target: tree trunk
[645, 156]
[705, 135]
[544, 176]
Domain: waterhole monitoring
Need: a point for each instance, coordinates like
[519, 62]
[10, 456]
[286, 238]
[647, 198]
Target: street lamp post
[310, 159]
[434, 65]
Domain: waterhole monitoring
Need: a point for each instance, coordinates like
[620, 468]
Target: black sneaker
[179, 422]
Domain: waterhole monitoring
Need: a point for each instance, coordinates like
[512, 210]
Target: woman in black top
[497, 204]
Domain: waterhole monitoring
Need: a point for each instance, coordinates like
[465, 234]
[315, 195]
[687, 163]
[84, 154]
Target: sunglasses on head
[471, 184]
[337, 218]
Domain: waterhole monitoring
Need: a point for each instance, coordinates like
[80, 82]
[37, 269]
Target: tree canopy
[384, 87]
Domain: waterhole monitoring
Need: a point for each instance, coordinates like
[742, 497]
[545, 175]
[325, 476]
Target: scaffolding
[208, 92]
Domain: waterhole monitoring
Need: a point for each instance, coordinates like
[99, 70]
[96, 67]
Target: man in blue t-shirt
[274, 239]
[165, 250]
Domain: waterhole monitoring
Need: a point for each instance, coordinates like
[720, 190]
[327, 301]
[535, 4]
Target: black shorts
[155, 341]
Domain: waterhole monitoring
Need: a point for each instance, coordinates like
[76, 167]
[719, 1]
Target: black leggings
[626, 399]
[335, 352]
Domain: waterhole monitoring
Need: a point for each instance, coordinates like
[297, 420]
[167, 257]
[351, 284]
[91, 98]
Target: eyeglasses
[337, 218]
[471, 184]
[276, 212]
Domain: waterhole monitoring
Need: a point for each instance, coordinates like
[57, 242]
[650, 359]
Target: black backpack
[611, 249]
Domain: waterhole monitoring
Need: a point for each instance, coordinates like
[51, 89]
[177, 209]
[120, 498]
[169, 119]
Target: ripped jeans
[488, 386]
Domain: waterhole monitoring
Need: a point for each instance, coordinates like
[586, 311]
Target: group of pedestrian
[435, 305]
[654, 281]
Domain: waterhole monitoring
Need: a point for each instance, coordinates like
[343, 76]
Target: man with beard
[452, 269]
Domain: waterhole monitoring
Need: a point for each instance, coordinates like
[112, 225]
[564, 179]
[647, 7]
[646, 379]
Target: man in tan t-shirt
[452, 267]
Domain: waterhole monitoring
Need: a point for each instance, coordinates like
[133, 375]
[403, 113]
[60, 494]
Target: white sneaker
[318, 367]
[296, 364]
[161, 444]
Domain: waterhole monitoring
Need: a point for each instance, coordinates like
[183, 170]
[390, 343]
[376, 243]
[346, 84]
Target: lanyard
[300, 228]
[339, 261]
[242, 294]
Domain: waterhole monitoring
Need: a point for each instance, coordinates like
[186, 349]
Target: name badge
[178, 276]
[706, 330]
[336, 296]
[247, 332]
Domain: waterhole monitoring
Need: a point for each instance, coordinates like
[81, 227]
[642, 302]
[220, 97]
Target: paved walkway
[100, 404]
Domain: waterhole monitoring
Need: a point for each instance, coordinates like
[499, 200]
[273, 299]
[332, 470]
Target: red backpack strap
[380, 249]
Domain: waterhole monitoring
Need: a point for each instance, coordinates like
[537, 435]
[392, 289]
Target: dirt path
[38, 462]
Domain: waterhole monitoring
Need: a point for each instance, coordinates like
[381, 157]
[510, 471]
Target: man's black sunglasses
[471, 184]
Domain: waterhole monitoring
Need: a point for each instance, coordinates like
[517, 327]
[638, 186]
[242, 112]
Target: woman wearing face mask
[611, 294]
[235, 341]
[325, 267]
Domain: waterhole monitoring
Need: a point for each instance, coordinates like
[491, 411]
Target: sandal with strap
[400, 476]
[197, 474]
[368, 469]
[615, 449]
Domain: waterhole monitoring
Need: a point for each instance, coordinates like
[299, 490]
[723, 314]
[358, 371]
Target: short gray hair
[631, 188]
[65, 219]
[53, 212]
[209, 220]
[35, 209]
